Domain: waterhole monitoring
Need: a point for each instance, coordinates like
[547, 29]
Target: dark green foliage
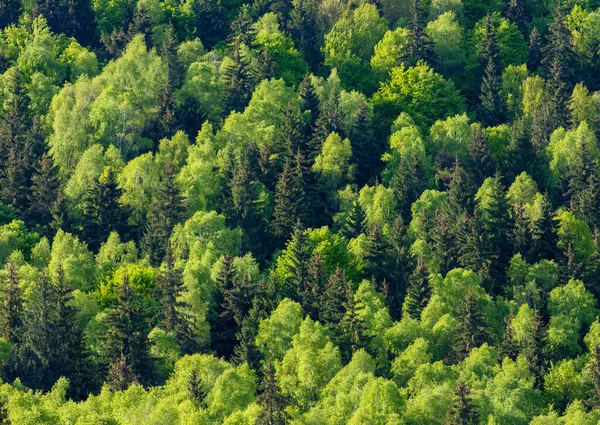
[472, 330]
[492, 106]
[210, 21]
[125, 345]
[271, 401]
[303, 28]
[462, 410]
[166, 211]
[9, 12]
[43, 192]
[289, 199]
[419, 291]
[239, 81]
[419, 45]
[12, 310]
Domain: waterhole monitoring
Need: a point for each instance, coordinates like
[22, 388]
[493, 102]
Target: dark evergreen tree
[43, 192]
[241, 27]
[462, 410]
[472, 329]
[583, 187]
[103, 212]
[12, 313]
[10, 10]
[289, 200]
[558, 61]
[296, 286]
[593, 374]
[509, 347]
[419, 291]
[365, 151]
[125, 345]
[271, 400]
[481, 165]
[239, 81]
[419, 45]
[332, 303]
[141, 24]
[515, 12]
[492, 105]
[536, 47]
[532, 348]
[174, 312]
[165, 212]
[81, 21]
[303, 25]
[210, 21]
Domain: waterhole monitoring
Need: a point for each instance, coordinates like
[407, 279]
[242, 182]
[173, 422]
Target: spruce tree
[141, 24]
[515, 12]
[472, 329]
[536, 47]
[239, 81]
[241, 27]
[296, 286]
[461, 411]
[593, 373]
[365, 152]
[419, 45]
[12, 320]
[174, 316]
[304, 30]
[125, 345]
[271, 400]
[166, 211]
[210, 21]
[103, 212]
[43, 192]
[289, 200]
[481, 164]
[532, 348]
[509, 347]
[10, 10]
[492, 106]
[419, 291]
[558, 61]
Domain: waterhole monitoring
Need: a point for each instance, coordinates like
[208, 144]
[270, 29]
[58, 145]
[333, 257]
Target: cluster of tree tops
[389, 213]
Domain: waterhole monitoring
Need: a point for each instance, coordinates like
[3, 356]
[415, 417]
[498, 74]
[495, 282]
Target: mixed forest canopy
[307, 212]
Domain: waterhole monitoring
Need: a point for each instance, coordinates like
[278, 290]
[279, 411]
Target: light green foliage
[141, 279]
[513, 397]
[381, 403]
[174, 150]
[77, 263]
[565, 381]
[332, 165]
[14, 236]
[206, 231]
[513, 77]
[457, 284]
[80, 61]
[116, 107]
[114, 253]
[512, 47]
[40, 254]
[340, 398]
[110, 14]
[190, 51]
[593, 336]
[572, 230]
[309, 365]
[478, 368]
[139, 181]
[585, 106]
[565, 147]
[5, 351]
[406, 144]
[275, 333]
[447, 37]
[373, 318]
[452, 135]
[202, 83]
[402, 334]
[407, 363]
[425, 95]
[289, 64]
[40, 53]
[379, 205]
[198, 178]
[350, 45]
[390, 51]
[164, 350]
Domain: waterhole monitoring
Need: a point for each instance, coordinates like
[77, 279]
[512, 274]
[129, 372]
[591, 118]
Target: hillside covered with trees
[304, 212]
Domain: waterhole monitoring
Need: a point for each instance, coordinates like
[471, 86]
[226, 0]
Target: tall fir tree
[271, 400]
[166, 211]
[592, 371]
[12, 320]
[125, 345]
[481, 165]
[515, 12]
[492, 105]
[365, 151]
[289, 200]
[558, 61]
[419, 291]
[43, 192]
[303, 25]
[462, 410]
[536, 48]
[239, 80]
[103, 212]
[419, 44]
[472, 330]
[532, 347]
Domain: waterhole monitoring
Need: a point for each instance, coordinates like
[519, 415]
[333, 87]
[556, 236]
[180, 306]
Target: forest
[303, 212]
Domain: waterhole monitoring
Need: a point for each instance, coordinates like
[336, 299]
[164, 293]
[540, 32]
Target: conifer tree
[462, 411]
[558, 60]
[492, 106]
[314, 288]
[472, 329]
[536, 47]
[509, 347]
[241, 27]
[10, 10]
[419, 291]
[272, 402]
[239, 81]
[210, 21]
[593, 373]
[303, 25]
[515, 12]
[331, 310]
[165, 212]
[300, 257]
[43, 191]
[103, 212]
[289, 200]
[11, 315]
[173, 315]
[125, 346]
[481, 165]
[419, 45]
[310, 102]
[365, 153]
[532, 348]
[81, 21]
[141, 24]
